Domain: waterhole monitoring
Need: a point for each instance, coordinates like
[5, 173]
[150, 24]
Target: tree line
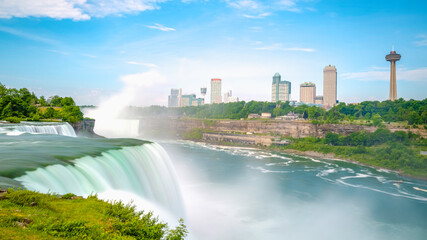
[21, 104]
[412, 111]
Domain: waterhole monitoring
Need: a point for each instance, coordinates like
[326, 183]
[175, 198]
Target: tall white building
[228, 97]
[329, 86]
[216, 90]
[280, 90]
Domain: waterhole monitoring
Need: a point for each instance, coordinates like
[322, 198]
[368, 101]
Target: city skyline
[91, 51]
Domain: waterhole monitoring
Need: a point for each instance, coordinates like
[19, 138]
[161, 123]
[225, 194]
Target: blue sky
[91, 50]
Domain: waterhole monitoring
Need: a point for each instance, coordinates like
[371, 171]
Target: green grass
[30, 215]
[399, 157]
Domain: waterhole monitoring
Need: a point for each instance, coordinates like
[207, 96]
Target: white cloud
[299, 49]
[161, 27]
[59, 9]
[259, 16]
[88, 55]
[278, 46]
[414, 75]
[244, 4]
[25, 35]
[150, 65]
[422, 42]
[59, 52]
[73, 9]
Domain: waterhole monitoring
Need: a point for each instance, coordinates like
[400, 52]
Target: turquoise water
[222, 192]
[238, 193]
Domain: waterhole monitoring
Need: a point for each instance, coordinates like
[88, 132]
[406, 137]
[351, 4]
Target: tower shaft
[393, 89]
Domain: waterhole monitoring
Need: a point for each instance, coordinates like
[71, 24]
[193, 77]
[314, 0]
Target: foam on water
[64, 128]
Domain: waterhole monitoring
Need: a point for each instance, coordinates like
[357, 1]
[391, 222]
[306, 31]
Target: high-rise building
[307, 92]
[280, 90]
[228, 97]
[329, 86]
[191, 100]
[174, 100]
[318, 100]
[392, 58]
[216, 90]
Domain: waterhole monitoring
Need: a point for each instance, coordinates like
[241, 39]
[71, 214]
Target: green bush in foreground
[30, 215]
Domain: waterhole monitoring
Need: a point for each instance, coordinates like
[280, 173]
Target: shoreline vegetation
[398, 151]
[26, 214]
[21, 105]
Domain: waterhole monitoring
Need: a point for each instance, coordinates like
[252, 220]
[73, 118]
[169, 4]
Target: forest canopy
[17, 105]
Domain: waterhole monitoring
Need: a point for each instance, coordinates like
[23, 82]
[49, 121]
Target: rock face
[238, 138]
[178, 127]
[85, 126]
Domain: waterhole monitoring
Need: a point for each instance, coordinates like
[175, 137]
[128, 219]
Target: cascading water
[145, 171]
[64, 129]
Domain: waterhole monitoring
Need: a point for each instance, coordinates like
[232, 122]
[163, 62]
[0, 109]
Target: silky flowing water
[221, 192]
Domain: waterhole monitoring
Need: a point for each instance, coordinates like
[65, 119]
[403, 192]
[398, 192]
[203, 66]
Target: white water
[64, 129]
[145, 171]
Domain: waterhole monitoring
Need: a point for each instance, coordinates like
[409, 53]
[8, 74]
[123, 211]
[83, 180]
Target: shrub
[13, 119]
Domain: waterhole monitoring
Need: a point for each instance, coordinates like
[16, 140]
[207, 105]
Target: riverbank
[317, 154]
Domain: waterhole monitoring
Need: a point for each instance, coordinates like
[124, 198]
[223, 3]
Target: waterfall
[144, 170]
[64, 129]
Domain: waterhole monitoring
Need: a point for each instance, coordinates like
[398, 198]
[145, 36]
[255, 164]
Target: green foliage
[68, 196]
[30, 215]
[21, 104]
[13, 119]
[374, 112]
[398, 150]
[194, 134]
[27, 198]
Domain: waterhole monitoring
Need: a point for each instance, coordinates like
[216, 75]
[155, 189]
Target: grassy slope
[29, 215]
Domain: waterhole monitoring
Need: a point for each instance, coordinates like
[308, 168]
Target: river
[221, 192]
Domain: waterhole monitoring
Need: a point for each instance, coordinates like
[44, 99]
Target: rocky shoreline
[329, 156]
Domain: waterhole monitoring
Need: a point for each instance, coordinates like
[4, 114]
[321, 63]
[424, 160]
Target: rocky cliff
[84, 127]
[296, 129]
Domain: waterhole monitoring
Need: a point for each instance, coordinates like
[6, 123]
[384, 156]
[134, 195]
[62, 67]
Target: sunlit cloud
[161, 27]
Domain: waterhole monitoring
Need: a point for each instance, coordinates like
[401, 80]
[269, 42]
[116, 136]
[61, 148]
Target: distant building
[291, 116]
[191, 100]
[329, 86]
[174, 100]
[229, 98]
[253, 115]
[318, 100]
[280, 90]
[307, 92]
[216, 90]
[265, 115]
[203, 91]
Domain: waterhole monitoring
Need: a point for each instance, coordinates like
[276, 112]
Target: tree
[377, 120]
